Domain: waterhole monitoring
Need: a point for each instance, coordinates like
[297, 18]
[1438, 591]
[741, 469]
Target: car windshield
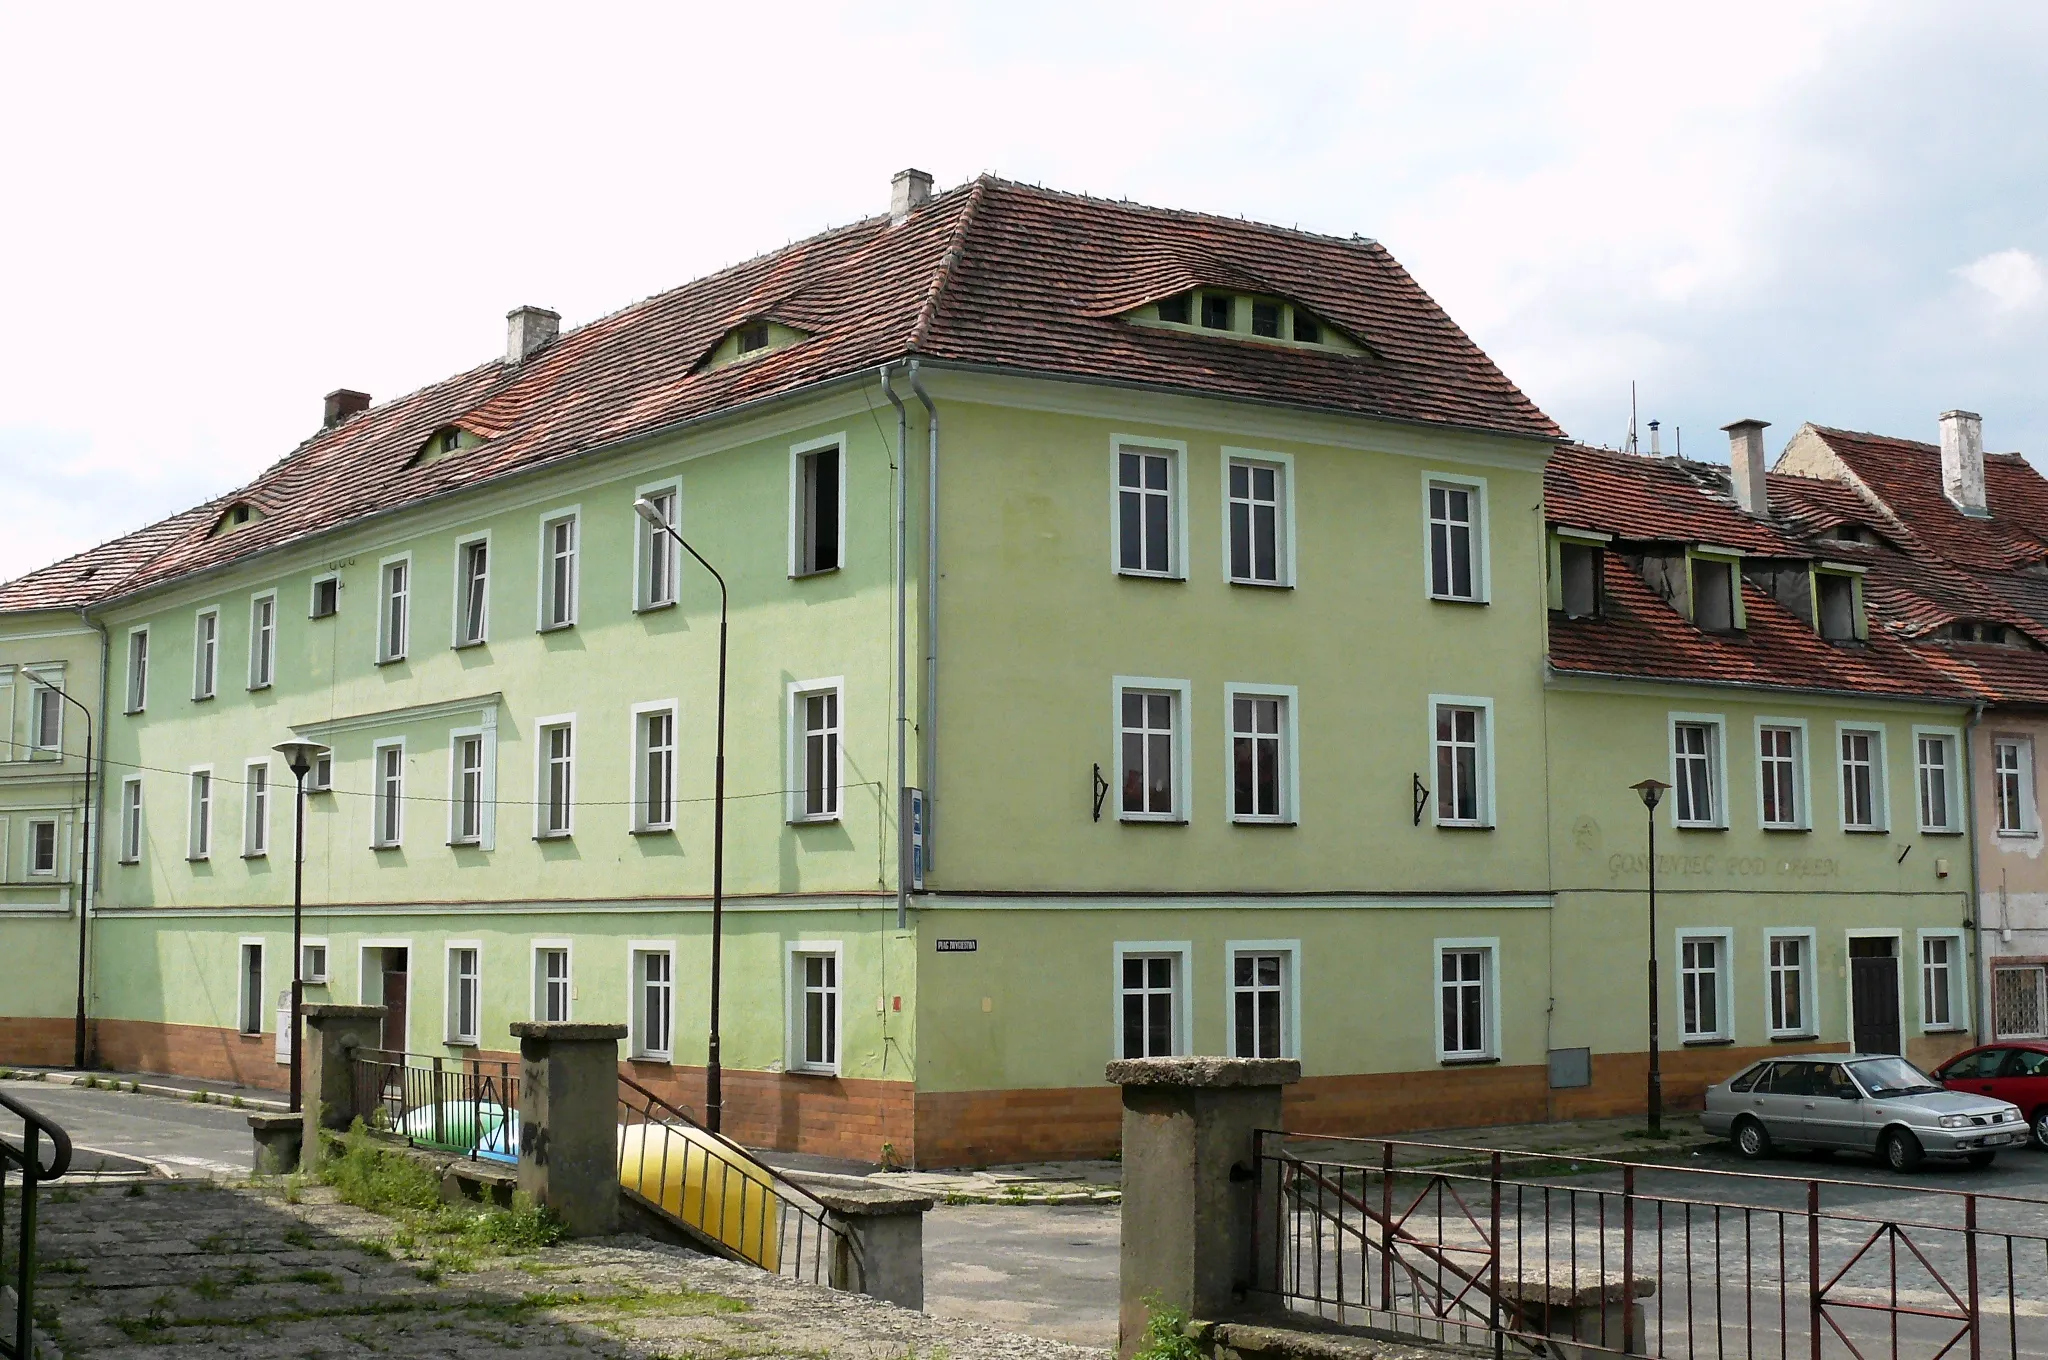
[1892, 1077]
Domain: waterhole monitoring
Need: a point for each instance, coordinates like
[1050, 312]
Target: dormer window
[1835, 604]
[1246, 316]
[750, 339]
[1578, 573]
[451, 439]
[752, 336]
[1991, 634]
[1216, 311]
[447, 440]
[234, 517]
[1266, 319]
[1307, 330]
[1175, 309]
[1713, 593]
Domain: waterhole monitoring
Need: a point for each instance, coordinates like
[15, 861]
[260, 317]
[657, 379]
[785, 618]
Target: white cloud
[2012, 280]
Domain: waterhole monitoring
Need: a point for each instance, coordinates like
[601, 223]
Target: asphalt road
[181, 1138]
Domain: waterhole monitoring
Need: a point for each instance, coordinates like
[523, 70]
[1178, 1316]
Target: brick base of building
[859, 1119]
[38, 1041]
[190, 1051]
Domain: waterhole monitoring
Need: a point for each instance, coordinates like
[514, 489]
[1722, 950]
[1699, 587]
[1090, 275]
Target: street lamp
[713, 1068]
[87, 880]
[1652, 791]
[299, 755]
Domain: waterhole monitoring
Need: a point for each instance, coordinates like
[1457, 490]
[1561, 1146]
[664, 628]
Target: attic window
[1174, 309]
[752, 336]
[1713, 585]
[1307, 329]
[234, 517]
[1837, 607]
[1216, 310]
[1266, 319]
[1975, 630]
[1853, 533]
[451, 439]
[1578, 570]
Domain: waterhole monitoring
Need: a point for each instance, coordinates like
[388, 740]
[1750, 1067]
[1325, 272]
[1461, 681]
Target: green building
[1198, 574]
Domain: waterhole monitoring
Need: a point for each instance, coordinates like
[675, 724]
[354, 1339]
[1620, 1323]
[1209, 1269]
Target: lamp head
[647, 510]
[300, 755]
[1651, 791]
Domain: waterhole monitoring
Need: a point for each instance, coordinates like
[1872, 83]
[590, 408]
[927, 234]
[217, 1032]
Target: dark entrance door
[1874, 995]
[394, 1000]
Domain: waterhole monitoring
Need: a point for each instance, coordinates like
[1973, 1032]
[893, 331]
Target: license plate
[1997, 1139]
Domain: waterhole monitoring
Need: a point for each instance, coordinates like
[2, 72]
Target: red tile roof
[993, 275]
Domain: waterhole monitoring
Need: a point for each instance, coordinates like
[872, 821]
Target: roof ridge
[1184, 214]
[928, 313]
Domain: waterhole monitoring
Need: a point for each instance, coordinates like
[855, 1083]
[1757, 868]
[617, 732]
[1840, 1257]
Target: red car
[2016, 1070]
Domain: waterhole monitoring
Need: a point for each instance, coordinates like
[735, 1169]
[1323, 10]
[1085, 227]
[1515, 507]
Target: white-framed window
[817, 506]
[815, 749]
[554, 798]
[653, 984]
[1944, 988]
[394, 608]
[1468, 1000]
[1696, 771]
[387, 794]
[465, 992]
[256, 809]
[249, 991]
[1148, 512]
[814, 988]
[320, 779]
[42, 847]
[1151, 998]
[2012, 785]
[263, 640]
[313, 962]
[654, 766]
[469, 794]
[1152, 743]
[1262, 722]
[1461, 753]
[1454, 537]
[1258, 518]
[560, 535]
[46, 715]
[138, 669]
[1703, 984]
[473, 590]
[657, 560]
[1781, 774]
[1788, 983]
[1863, 778]
[199, 813]
[553, 980]
[205, 653]
[1264, 1002]
[1934, 774]
[323, 597]
[131, 819]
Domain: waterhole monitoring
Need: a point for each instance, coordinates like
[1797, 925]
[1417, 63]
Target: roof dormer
[449, 439]
[1838, 613]
[1245, 316]
[1984, 632]
[751, 339]
[239, 514]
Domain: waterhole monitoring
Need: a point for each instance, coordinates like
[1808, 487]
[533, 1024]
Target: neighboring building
[1956, 543]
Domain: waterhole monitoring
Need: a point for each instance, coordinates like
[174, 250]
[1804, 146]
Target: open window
[817, 510]
[1579, 568]
[1713, 587]
[1838, 606]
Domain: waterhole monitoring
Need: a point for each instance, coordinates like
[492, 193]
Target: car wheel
[1901, 1150]
[1983, 1159]
[2041, 1128]
[1752, 1140]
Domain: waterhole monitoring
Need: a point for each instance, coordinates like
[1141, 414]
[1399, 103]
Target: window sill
[1456, 599]
[255, 854]
[199, 859]
[1707, 1041]
[1698, 826]
[2018, 835]
[651, 1058]
[1472, 1060]
[1132, 819]
[822, 820]
[1865, 831]
[1150, 575]
[1257, 822]
[1944, 1029]
[390, 660]
[202, 698]
[315, 618]
[556, 627]
[555, 836]
[1809, 1037]
[795, 1071]
[468, 644]
[654, 831]
[134, 861]
[1941, 831]
[1465, 826]
[389, 845]
[131, 712]
[654, 608]
[466, 843]
[255, 688]
[1769, 829]
[1260, 585]
[807, 575]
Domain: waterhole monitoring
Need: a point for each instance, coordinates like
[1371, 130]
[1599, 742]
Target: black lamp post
[300, 755]
[713, 1068]
[86, 879]
[1652, 791]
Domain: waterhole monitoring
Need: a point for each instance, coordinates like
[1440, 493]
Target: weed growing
[1166, 1334]
[382, 1180]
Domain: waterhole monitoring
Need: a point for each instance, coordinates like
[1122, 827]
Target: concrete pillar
[569, 1121]
[885, 1226]
[333, 1034]
[1189, 1187]
[278, 1138]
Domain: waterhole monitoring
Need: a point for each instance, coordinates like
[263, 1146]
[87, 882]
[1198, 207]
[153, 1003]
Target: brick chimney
[1746, 462]
[908, 189]
[341, 403]
[1962, 461]
[528, 330]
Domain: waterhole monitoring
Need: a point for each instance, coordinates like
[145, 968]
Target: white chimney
[1746, 461]
[907, 189]
[1962, 460]
[528, 330]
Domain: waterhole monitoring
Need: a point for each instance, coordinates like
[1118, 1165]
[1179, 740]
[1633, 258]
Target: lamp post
[714, 1069]
[1651, 792]
[86, 879]
[299, 755]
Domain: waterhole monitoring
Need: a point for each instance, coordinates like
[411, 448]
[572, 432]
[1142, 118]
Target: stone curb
[144, 1088]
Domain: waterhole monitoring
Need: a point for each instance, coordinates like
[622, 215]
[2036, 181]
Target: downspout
[928, 743]
[902, 651]
[96, 794]
[1975, 915]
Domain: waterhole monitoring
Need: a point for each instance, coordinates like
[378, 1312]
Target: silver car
[1860, 1102]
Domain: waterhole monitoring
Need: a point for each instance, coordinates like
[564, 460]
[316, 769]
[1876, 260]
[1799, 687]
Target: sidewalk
[153, 1084]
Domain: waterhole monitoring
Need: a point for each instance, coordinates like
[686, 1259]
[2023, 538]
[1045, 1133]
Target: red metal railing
[1460, 1245]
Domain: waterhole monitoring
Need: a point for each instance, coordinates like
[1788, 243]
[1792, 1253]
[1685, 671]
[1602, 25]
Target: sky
[212, 215]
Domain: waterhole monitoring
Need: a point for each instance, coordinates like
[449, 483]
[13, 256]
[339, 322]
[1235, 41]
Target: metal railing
[24, 1163]
[1591, 1255]
[463, 1105]
[727, 1198]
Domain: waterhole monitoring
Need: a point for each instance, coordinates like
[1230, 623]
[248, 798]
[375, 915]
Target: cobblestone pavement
[185, 1268]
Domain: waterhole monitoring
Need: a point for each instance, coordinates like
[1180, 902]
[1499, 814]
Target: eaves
[1555, 677]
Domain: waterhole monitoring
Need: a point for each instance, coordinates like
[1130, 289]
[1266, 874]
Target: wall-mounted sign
[958, 946]
[916, 821]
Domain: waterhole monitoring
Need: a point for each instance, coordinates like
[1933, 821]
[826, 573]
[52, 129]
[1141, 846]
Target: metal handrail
[393, 1088]
[776, 1224]
[26, 1158]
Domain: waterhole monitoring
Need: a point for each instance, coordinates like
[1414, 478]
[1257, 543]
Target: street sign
[958, 946]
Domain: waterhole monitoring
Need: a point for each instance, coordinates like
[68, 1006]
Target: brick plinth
[37, 1042]
[829, 1116]
[191, 1051]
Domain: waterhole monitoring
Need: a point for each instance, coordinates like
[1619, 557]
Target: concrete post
[1189, 1187]
[278, 1138]
[569, 1121]
[333, 1034]
[885, 1226]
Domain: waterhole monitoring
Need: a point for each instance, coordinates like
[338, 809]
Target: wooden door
[1874, 994]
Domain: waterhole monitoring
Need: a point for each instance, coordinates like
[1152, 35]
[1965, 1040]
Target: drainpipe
[95, 797]
[1976, 898]
[902, 651]
[929, 744]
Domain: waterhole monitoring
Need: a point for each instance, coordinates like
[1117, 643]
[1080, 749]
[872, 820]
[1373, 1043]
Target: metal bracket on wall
[1101, 790]
[1421, 798]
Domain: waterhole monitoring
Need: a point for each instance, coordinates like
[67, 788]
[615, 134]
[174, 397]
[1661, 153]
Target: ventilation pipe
[1962, 460]
[1746, 462]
